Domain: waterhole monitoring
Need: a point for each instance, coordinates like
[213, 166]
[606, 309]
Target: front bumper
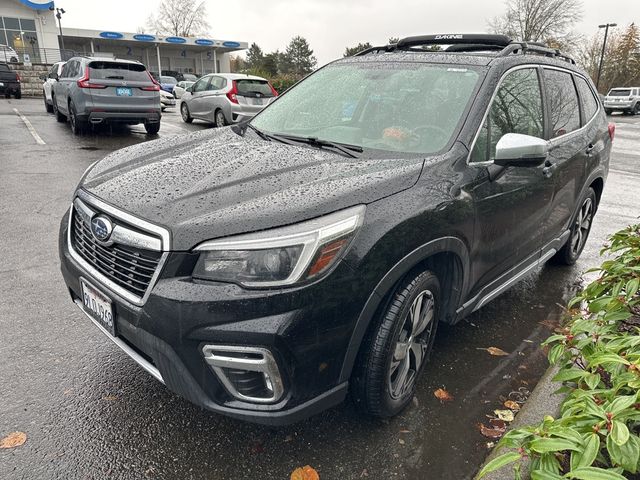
[307, 330]
[168, 102]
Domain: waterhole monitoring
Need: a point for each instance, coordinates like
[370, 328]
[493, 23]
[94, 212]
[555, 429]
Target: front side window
[201, 85]
[588, 101]
[563, 102]
[516, 108]
[392, 107]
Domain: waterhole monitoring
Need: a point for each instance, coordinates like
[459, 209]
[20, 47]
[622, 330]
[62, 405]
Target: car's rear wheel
[59, 116]
[636, 109]
[47, 106]
[608, 111]
[580, 228]
[397, 346]
[219, 120]
[184, 111]
[18, 95]
[77, 126]
[152, 128]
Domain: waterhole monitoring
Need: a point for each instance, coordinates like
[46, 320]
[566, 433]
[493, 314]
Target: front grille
[128, 267]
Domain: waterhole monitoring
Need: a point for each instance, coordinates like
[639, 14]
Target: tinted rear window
[620, 93]
[119, 71]
[4, 68]
[249, 88]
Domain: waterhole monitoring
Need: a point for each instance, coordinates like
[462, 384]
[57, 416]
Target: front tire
[397, 347]
[184, 111]
[580, 228]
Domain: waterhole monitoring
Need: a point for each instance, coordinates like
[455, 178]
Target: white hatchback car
[225, 98]
[51, 78]
[8, 54]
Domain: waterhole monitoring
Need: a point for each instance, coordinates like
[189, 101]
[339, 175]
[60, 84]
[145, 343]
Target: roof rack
[459, 42]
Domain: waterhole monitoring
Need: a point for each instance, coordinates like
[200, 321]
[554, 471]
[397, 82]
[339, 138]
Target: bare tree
[183, 18]
[538, 20]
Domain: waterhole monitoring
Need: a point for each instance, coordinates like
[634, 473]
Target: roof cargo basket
[454, 39]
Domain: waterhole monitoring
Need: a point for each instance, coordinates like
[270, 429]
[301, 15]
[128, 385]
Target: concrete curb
[541, 402]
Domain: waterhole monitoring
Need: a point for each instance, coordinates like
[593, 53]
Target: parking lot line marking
[32, 130]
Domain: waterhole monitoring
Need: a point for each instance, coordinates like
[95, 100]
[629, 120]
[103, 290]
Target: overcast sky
[330, 25]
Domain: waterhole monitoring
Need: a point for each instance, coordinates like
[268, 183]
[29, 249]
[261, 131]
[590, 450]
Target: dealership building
[30, 27]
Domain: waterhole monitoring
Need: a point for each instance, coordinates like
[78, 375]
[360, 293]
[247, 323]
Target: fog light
[249, 374]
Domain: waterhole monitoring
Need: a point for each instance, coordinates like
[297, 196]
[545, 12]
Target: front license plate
[99, 307]
[124, 92]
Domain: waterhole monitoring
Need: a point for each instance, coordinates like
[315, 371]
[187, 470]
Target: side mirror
[189, 89]
[517, 150]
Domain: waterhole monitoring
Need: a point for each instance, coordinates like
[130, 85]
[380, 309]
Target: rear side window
[620, 93]
[217, 83]
[516, 108]
[118, 71]
[563, 102]
[249, 88]
[588, 101]
[4, 68]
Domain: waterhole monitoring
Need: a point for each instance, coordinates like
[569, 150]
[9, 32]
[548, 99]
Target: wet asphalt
[90, 412]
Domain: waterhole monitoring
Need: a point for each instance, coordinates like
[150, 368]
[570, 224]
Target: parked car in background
[173, 73]
[167, 83]
[9, 82]
[92, 90]
[190, 77]
[226, 98]
[166, 100]
[49, 80]
[181, 87]
[8, 54]
[264, 271]
[625, 100]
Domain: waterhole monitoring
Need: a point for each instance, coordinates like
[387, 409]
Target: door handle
[548, 169]
[590, 149]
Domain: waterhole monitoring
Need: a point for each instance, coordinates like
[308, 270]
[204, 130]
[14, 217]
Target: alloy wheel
[184, 111]
[220, 121]
[412, 345]
[581, 227]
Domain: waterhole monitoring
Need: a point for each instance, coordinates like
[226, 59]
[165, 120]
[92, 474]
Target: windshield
[118, 71]
[620, 93]
[398, 107]
[170, 80]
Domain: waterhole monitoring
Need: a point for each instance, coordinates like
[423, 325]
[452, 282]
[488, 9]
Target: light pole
[59, 13]
[604, 46]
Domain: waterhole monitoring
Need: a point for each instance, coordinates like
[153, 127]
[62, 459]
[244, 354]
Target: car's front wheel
[397, 346]
[184, 111]
[580, 228]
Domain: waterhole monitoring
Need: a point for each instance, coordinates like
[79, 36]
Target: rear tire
[184, 111]
[18, 95]
[152, 128]
[608, 111]
[636, 109]
[48, 107]
[219, 120]
[78, 126]
[580, 228]
[397, 346]
[59, 116]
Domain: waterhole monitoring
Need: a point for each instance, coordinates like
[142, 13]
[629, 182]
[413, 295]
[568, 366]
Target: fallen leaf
[506, 415]
[110, 398]
[364, 473]
[491, 444]
[492, 433]
[495, 351]
[401, 441]
[497, 423]
[305, 473]
[442, 395]
[14, 439]
[404, 430]
[510, 404]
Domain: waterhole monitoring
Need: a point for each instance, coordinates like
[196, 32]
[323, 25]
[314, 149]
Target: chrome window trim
[126, 217]
[552, 141]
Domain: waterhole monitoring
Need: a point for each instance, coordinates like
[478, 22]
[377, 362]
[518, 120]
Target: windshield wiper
[266, 136]
[344, 148]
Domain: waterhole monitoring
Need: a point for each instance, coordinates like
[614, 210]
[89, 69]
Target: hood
[215, 183]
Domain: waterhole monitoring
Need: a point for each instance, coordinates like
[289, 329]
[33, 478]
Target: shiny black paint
[468, 223]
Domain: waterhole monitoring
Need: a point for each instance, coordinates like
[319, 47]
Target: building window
[20, 35]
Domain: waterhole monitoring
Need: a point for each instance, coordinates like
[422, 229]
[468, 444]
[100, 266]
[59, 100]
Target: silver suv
[226, 98]
[94, 90]
[626, 100]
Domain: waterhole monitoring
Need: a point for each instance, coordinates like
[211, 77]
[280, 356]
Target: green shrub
[598, 354]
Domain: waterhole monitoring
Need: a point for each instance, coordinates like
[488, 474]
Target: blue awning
[38, 4]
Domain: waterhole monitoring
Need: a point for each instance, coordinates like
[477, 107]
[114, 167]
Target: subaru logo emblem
[101, 228]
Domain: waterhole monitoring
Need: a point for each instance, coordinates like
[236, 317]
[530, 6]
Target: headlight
[282, 256]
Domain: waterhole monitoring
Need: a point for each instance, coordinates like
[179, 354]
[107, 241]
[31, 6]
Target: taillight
[275, 92]
[612, 130]
[232, 94]
[153, 88]
[84, 82]
[18, 77]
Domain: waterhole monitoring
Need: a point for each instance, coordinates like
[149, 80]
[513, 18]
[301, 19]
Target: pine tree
[255, 57]
[351, 51]
[298, 58]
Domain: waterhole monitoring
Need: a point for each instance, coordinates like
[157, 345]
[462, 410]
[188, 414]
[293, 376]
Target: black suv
[264, 270]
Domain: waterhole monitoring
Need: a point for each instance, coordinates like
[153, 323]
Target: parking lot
[90, 412]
